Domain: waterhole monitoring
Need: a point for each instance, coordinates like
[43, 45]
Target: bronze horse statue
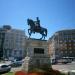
[33, 28]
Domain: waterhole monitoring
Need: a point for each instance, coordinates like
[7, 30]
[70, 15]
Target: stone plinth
[37, 55]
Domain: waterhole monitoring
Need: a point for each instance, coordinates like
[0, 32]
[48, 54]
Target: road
[64, 67]
[60, 67]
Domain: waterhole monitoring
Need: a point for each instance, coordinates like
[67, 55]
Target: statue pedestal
[37, 55]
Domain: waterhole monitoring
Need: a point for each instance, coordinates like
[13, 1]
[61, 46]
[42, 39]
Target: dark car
[4, 68]
[64, 61]
[16, 63]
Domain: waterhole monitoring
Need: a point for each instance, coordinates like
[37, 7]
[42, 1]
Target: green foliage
[9, 73]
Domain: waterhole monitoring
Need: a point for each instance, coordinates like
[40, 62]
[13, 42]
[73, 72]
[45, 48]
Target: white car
[4, 68]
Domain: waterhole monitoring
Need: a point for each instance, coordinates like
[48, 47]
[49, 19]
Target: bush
[40, 72]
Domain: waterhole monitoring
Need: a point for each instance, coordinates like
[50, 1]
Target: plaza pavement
[70, 67]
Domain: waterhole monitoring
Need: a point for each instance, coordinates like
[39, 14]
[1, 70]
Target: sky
[54, 15]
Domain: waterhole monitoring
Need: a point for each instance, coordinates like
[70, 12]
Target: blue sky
[55, 15]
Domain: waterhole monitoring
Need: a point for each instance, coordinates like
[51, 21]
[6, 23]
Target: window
[61, 52]
[38, 51]
[70, 51]
[15, 52]
[65, 51]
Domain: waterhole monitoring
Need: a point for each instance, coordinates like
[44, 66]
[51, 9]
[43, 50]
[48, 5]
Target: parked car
[16, 63]
[53, 61]
[64, 61]
[4, 68]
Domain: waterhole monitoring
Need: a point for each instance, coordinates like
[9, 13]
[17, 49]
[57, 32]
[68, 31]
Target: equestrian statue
[35, 27]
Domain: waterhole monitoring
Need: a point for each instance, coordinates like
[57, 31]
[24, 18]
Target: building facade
[62, 44]
[2, 37]
[14, 43]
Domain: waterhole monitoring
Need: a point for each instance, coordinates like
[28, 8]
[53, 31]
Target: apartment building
[2, 36]
[62, 44]
[14, 43]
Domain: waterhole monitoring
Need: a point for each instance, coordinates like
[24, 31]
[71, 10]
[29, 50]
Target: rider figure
[37, 23]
